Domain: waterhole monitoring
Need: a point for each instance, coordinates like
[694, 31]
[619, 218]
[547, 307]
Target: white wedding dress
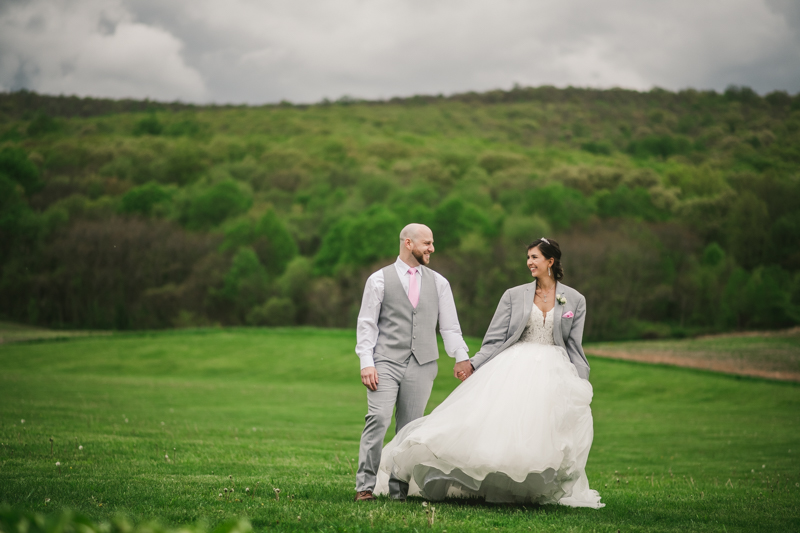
[518, 430]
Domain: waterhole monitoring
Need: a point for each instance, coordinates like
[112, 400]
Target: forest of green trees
[678, 213]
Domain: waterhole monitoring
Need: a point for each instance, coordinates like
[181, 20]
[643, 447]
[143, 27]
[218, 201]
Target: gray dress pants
[406, 385]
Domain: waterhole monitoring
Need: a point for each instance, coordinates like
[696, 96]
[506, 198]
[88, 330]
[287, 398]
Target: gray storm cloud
[91, 48]
[302, 51]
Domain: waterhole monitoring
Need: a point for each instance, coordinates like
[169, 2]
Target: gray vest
[402, 329]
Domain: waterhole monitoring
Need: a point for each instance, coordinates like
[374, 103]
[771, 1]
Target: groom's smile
[423, 253]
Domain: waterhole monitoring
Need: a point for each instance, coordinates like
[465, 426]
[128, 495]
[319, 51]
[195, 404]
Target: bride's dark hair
[550, 250]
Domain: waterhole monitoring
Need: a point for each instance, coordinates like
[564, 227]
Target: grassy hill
[674, 449]
[678, 213]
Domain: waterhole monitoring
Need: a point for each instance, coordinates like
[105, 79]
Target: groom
[397, 347]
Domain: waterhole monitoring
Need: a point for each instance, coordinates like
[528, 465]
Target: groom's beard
[420, 257]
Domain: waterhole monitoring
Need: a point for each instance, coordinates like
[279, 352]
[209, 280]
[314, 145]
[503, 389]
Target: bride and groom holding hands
[519, 426]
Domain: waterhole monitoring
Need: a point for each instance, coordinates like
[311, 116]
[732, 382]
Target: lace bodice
[540, 328]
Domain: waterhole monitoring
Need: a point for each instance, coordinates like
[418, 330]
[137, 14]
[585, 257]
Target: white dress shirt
[367, 328]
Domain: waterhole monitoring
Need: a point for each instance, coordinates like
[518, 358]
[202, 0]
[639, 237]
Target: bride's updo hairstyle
[550, 250]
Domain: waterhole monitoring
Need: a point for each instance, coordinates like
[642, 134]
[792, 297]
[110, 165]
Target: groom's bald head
[416, 241]
[414, 232]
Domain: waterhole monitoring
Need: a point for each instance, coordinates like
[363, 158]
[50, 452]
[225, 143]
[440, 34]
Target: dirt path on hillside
[775, 333]
[710, 360]
[716, 365]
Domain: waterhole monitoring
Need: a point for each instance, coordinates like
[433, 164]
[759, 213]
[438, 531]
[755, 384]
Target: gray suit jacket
[512, 316]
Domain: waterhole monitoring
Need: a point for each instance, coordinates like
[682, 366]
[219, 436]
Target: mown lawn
[674, 449]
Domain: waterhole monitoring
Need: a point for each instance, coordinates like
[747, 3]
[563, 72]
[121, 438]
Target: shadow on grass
[478, 503]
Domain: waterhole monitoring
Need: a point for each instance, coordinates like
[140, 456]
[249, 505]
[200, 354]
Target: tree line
[678, 213]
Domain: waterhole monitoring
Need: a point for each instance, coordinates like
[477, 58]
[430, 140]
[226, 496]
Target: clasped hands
[369, 376]
[463, 370]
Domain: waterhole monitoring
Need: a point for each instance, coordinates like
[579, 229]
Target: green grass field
[674, 449]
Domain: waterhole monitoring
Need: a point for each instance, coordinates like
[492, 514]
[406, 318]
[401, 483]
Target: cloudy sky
[260, 51]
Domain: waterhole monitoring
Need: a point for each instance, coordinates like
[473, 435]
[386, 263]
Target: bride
[520, 429]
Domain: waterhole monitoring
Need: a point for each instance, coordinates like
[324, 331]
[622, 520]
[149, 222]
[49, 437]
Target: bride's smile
[537, 263]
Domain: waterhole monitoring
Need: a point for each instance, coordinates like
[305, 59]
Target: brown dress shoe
[364, 496]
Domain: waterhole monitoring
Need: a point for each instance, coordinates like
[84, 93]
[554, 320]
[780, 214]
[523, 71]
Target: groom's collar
[402, 267]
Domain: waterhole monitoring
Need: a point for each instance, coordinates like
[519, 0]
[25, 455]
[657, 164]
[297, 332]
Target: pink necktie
[413, 288]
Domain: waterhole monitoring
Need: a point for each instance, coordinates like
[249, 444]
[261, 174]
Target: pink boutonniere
[568, 314]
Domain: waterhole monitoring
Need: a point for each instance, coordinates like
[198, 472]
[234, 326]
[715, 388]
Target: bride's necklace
[543, 294]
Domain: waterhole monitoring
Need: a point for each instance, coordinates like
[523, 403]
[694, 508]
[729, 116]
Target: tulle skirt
[518, 430]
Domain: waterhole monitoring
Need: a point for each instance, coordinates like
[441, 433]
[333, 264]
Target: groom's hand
[462, 370]
[369, 377]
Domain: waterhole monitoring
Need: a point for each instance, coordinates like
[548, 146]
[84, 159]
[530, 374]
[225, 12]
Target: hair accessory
[545, 240]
